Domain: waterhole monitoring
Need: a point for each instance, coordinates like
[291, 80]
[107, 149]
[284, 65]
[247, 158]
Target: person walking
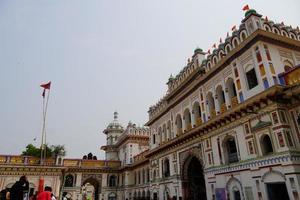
[19, 190]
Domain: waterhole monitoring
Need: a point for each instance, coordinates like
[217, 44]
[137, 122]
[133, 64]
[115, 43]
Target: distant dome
[249, 12]
[114, 125]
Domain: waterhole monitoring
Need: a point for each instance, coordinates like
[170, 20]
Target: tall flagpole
[45, 106]
[45, 114]
[43, 128]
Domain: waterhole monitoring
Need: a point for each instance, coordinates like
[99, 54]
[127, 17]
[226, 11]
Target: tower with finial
[113, 131]
[252, 20]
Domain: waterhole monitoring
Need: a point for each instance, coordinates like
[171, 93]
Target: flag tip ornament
[246, 7]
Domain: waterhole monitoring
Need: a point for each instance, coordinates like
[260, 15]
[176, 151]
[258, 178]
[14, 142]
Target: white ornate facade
[227, 128]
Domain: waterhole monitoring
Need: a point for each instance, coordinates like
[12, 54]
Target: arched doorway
[90, 187]
[193, 180]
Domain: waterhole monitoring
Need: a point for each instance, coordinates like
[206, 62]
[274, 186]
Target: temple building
[228, 127]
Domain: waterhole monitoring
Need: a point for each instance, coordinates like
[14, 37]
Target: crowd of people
[20, 191]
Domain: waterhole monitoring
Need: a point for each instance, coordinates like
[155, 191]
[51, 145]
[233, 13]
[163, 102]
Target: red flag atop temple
[246, 7]
[208, 52]
[46, 86]
[214, 46]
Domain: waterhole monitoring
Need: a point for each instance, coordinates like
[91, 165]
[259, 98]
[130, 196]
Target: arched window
[215, 60]
[153, 139]
[267, 27]
[266, 145]
[227, 49]
[197, 114]
[284, 33]
[170, 134]
[243, 36]
[292, 35]
[187, 120]
[251, 76]
[231, 91]
[112, 182]
[235, 43]
[275, 30]
[160, 135]
[179, 124]
[164, 137]
[221, 98]
[211, 105]
[166, 168]
[287, 65]
[69, 181]
[230, 150]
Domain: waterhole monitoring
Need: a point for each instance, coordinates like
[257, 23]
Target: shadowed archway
[193, 179]
[94, 182]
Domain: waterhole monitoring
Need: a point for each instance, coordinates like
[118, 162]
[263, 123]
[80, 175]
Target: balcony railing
[212, 114]
[232, 158]
[179, 131]
[198, 121]
[234, 101]
[223, 107]
[188, 127]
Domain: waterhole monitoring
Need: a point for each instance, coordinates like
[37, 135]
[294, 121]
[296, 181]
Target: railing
[233, 157]
[188, 126]
[212, 114]
[234, 101]
[223, 107]
[24, 160]
[34, 161]
[198, 121]
[179, 131]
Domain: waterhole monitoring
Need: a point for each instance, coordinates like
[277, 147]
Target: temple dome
[115, 125]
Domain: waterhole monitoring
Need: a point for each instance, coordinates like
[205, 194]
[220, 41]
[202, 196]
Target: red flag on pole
[46, 86]
[246, 7]
[233, 28]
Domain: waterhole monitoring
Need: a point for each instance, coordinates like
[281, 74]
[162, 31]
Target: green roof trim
[249, 12]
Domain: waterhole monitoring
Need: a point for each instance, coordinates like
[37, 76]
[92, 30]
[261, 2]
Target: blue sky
[101, 56]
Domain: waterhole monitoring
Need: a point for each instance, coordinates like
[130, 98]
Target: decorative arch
[235, 42]
[267, 27]
[95, 183]
[230, 149]
[234, 184]
[221, 98]
[230, 88]
[178, 123]
[187, 119]
[266, 144]
[284, 33]
[69, 180]
[227, 48]
[288, 65]
[243, 35]
[193, 181]
[197, 113]
[211, 104]
[273, 172]
[275, 30]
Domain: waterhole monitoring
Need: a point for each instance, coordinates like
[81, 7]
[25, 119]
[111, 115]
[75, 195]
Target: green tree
[53, 150]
